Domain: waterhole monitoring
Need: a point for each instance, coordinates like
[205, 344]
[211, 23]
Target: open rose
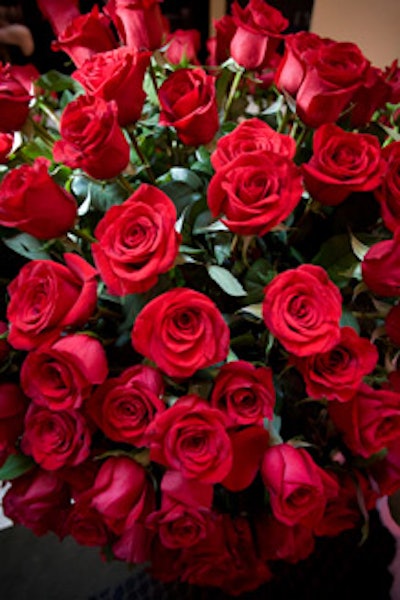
[255, 192]
[190, 437]
[117, 75]
[14, 100]
[13, 405]
[139, 23]
[47, 298]
[181, 331]
[137, 241]
[34, 203]
[381, 267]
[388, 192]
[343, 162]
[188, 103]
[91, 138]
[302, 308]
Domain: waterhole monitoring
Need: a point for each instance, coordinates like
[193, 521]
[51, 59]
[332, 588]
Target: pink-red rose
[381, 267]
[181, 331]
[139, 23]
[13, 405]
[14, 100]
[87, 527]
[47, 298]
[190, 437]
[388, 192]
[183, 46]
[188, 103]
[302, 309]
[218, 46]
[34, 203]
[343, 162]
[91, 138]
[137, 241]
[255, 192]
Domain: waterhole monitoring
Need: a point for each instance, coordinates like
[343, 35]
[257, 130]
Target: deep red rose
[381, 267]
[337, 374]
[134, 546]
[255, 192]
[298, 488]
[369, 421]
[392, 324]
[277, 541]
[258, 33]
[14, 100]
[252, 135]
[47, 298]
[85, 36]
[121, 493]
[124, 406]
[87, 527]
[34, 203]
[117, 75]
[59, 13]
[188, 103]
[181, 331]
[91, 138]
[38, 500]
[183, 46]
[62, 375]
[248, 447]
[137, 241]
[6, 144]
[55, 439]
[334, 73]
[302, 309]
[373, 94]
[343, 162]
[139, 23]
[13, 405]
[244, 392]
[190, 437]
[218, 46]
[388, 192]
[392, 76]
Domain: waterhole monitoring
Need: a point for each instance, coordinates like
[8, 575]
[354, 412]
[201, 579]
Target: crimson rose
[381, 267]
[388, 192]
[14, 100]
[139, 23]
[183, 46]
[218, 46]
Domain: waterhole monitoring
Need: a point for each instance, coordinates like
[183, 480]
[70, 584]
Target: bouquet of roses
[200, 320]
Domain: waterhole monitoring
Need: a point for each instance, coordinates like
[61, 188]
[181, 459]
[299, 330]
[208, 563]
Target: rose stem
[232, 92]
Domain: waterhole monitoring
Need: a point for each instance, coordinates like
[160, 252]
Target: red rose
[248, 447]
[255, 192]
[188, 103]
[343, 162]
[298, 488]
[117, 75]
[373, 94]
[252, 135]
[55, 439]
[84, 36]
[337, 374]
[244, 392]
[369, 421]
[47, 298]
[392, 324]
[61, 376]
[124, 406]
[139, 23]
[218, 46]
[87, 527]
[381, 267]
[388, 192]
[13, 405]
[137, 241]
[181, 331]
[277, 541]
[6, 144]
[183, 46]
[14, 100]
[33, 202]
[190, 437]
[258, 33]
[60, 14]
[91, 138]
[38, 500]
[302, 309]
[392, 76]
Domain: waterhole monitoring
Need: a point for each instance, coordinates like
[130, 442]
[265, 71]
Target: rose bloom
[181, 331]
[190, 437]
[6, 144]
[392, 76]
[369, 421]
[392, 324]
[14, 101]
[259, 26]
[277, 541]
[388, 192]
[123, 407]
[139, 23]
[248, 447]
[87, 527]
[183, 46]
[188, 103]
[47, 298]
[218, 46]
[337, 374]
[91, 138]
[38, 500]
[302, 309]
[298, 488]
[34, 203]
[244, 392]
[255, 192]
[13, 405]
[252, 135]
[342, 162]
[137, 241]
[381, 267]
[372, 94]
[117, 75]
[62, 375]
[85, 36]
[55, 439]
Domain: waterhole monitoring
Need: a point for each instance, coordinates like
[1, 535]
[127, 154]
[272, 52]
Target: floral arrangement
[200, 322]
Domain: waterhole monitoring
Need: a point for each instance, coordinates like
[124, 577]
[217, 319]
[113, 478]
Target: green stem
[42, 132]
[302, 137]
[49, 113]
[154, 80]
[142, 157]
[84, 235]
[124, 184]
[232, 92]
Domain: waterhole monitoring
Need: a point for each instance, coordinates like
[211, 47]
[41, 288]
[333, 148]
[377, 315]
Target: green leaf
[55, 81]
[337, 258]
[26, 245]
[102, 195]
[349, 320]
[186, 176]
[226, 281]
[15, 466]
